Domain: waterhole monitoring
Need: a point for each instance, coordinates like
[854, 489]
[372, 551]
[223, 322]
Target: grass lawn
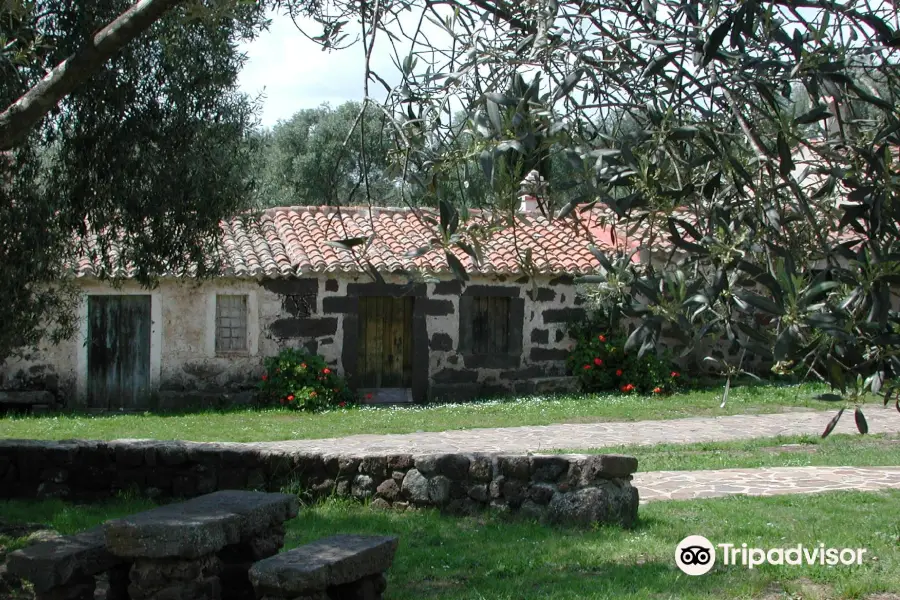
[489, 557]
[786, 451]
[281, 424]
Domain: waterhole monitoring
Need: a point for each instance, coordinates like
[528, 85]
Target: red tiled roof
[284, 242]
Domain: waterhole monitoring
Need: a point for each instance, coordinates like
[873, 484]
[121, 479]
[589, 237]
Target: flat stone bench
[201, 549]
[36, 401]
[341, 567]
[66, 568]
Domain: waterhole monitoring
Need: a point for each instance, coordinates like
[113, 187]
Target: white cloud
[294, 73]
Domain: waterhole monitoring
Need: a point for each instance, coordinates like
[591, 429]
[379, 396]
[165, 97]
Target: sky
[293, 73]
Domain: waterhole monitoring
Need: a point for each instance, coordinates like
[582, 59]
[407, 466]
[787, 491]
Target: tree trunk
[25, 113]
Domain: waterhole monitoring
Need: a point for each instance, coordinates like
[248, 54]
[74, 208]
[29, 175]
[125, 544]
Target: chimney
[528, 204]
[533, 188]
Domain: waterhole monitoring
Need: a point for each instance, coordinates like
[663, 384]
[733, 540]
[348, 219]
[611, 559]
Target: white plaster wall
[183, 356]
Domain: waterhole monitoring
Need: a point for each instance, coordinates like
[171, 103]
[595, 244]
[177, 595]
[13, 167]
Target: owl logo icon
[695, 555]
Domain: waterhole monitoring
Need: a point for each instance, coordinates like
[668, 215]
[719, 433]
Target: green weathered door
[118, 352]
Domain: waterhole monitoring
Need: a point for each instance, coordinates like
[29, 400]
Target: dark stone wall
[575, 489]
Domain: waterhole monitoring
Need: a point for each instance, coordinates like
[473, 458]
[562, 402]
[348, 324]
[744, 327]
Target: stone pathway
[768, 481]
[595, 435]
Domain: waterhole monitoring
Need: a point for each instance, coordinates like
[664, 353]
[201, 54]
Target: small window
[231, 323]
[490, 325]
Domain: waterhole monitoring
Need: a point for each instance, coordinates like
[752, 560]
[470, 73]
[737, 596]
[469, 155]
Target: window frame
[243, 316]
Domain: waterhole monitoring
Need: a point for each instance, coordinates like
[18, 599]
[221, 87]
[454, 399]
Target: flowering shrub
[601, 364]
[303, 381]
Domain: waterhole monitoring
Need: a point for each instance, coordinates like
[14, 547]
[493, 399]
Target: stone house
[418, 335]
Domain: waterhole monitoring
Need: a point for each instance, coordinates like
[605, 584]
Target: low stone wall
[577, 489]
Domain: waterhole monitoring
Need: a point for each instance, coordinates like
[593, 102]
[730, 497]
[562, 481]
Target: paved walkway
[659, 485]
[596, 435]
[768, 481]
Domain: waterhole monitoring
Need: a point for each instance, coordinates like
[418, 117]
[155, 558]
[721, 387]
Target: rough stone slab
[594, 467]
[199, 526]
[55, 563]
[324, 563]
[27, 398]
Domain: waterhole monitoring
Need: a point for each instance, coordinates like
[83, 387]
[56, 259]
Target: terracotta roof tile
[284, 242]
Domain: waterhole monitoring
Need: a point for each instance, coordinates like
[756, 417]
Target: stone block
[481, 468]
[562, 280]
[323, 564]
[292, 287]
[515, 466]
[389, 490]
[454, 466]
[513, 492]
[541, 493]
[564, 315]
[415, 486]
[441, 342]
[543, 295]
[455, 376]
[454, 392]
[380, 504]
[492, 361]
[448, 288]
[479, 492]
[376, 466]
[339, 305]
[529, 372]
[435, 308]
[304, 328]
[548, 468]
[27, 398]
[399, 462]
[547, 354]
[199, 526]
[439, 488]
[540, 336]
[363, 487]
[608, 503]
[57, 562]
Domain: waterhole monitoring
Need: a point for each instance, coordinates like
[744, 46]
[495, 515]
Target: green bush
[601, 364]
[303, 381]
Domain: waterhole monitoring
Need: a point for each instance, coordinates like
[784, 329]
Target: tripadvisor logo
[696, 555]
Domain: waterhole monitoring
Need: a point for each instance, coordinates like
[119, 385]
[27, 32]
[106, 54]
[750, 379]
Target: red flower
[657, 390]
[627, 388]
[342, 404]
[598, 361]
[326, 370]
[302, 365]
[602, 338]
[290, 398]
[618, 372]
[674, 373]
[265, 377]
[587, 367]
[369, 396]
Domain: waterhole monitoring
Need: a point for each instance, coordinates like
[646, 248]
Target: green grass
[62, 517]
[490, 557]
[783, 451]
[281, 424]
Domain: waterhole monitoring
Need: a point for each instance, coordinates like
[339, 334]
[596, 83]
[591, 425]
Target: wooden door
[385, 342]
[118, 352]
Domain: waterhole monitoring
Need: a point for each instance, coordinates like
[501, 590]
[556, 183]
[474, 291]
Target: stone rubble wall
[572, 489]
